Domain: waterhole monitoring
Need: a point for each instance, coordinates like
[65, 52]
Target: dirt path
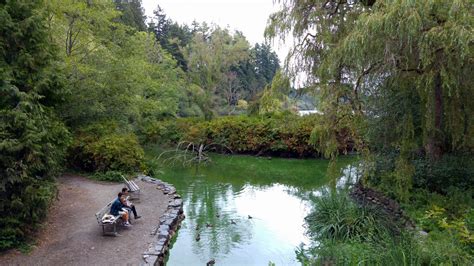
[73, 237]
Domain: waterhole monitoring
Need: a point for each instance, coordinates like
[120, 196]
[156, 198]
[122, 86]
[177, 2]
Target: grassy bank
[345, 233]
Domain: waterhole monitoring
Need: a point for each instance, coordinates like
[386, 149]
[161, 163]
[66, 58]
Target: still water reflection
[243, 210]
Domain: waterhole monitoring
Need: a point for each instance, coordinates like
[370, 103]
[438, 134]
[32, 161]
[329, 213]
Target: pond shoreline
[363, 196]
[230, 208]
[168, 224]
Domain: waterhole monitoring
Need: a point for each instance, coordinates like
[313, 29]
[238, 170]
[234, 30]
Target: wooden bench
[133, 188]
[104, 218]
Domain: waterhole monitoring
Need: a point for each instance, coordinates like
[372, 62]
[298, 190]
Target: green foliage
[171, 36]
[431, 41]
[337, 218]
[274, 98]
[436, 219]
[168, 131]
[440, 176]
[347, 234]
[24, 207]
[132, 13]
[115, 72]
[220, 65]
[218, 51]
[395, 74]
[285, 135]
[448, 217]
[101, 148]
[32, 139]
[114, 176]
[257, 71]
[403, 251]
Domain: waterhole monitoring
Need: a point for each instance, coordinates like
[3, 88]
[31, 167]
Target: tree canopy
[396, 74]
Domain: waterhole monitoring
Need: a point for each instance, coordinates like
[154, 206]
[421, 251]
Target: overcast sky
[248, 16]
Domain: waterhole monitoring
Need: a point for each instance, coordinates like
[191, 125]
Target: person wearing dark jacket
[128, 204]
[117, 208]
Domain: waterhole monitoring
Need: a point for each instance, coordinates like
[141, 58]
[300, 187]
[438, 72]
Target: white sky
[247, 16]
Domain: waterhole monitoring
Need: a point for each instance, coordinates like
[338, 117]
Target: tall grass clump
[336, 217]
[344, 233]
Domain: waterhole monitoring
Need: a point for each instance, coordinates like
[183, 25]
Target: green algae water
[244, 210]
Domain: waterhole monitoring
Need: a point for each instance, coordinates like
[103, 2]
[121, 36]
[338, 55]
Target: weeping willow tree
[274, 97]
[396, 73]
[317, 27]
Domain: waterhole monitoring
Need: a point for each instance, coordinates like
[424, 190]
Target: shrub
[114, 176]
[440, 176]
[284, 135]
[167, 131]
[32, 150]
[451, 170]
[102, 149]
[25, 210]
[346, 234]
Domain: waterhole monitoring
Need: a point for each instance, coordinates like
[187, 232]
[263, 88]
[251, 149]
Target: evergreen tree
[171, 36]
[257, 71]
[132, 13]
[32, 139]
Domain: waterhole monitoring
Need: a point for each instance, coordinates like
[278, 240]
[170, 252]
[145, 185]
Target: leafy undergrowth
[345, 233]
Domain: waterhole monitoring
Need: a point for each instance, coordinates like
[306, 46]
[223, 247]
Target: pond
[244, 210]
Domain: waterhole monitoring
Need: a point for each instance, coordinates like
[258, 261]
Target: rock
[164, 227]
[423, 233]
[168, 223]
[176, 203]
[174, 212]
[159, 248]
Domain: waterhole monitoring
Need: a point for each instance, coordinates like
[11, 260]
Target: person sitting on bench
[117, 208]
[128, 204]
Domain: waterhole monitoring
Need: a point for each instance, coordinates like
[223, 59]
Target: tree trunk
[434, 146]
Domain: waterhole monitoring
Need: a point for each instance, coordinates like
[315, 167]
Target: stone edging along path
[169, 222]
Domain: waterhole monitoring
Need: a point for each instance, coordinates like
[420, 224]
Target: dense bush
[285, 135]
[436, 176]
[450, 171]
[167, 131]
[114, 176]
[33, 140]
[101, 148]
